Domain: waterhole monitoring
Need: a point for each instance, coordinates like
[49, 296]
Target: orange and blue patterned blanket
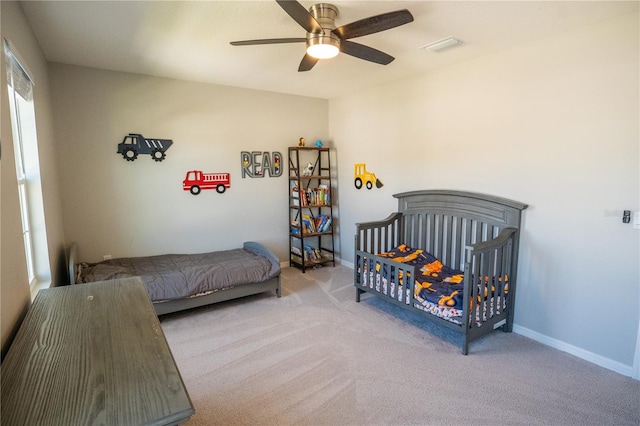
[435, 282]
[437, 288]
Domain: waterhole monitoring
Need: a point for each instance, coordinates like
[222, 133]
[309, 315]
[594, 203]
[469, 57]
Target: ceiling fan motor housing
[325, 14]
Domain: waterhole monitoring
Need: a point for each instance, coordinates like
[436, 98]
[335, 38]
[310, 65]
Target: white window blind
[25, 143]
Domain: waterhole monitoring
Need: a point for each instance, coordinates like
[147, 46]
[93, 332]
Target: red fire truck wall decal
[259, 163]
[195, 181]
[134, 144]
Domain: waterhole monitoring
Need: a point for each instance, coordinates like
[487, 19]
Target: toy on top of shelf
[319, 143]
[301, 142]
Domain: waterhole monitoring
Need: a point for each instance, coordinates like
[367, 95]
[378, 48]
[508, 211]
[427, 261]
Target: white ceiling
[189, 40]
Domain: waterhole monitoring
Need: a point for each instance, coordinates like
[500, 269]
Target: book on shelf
[295, 192]
[317, 196]
[310, 196]
[295, 227]
[325, 225]
[308, 224]
[312, 253]
[323, 222]
[325, 194]
[308, 253]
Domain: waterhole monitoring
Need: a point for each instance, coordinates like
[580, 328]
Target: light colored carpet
[316, 357]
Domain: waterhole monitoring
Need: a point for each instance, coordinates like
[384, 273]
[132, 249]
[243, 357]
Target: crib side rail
[489, 285]
[379, 236]
[391, 280]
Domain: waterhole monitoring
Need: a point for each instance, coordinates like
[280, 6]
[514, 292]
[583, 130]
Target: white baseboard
[339, 261]
[345, 263]
[618, 367]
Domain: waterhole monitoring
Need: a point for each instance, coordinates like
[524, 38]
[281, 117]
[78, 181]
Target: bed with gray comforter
[176, 282]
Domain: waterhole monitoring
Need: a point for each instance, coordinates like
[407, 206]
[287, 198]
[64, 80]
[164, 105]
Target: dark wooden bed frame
[237, 291]
[475, 233]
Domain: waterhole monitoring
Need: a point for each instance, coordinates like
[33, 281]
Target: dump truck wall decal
[134, 144]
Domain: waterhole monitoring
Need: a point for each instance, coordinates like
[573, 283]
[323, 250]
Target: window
[25, 143]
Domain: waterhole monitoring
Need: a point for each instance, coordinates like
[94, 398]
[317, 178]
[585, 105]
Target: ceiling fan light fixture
[322, 46]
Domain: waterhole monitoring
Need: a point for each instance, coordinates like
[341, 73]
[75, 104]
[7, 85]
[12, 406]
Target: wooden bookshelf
[311, 239]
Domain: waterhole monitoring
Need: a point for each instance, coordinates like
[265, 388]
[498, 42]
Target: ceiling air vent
[444, 44]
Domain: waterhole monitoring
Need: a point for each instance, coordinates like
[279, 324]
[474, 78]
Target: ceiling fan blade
[365, 52]
[268, 41]
[307, 63]
[300, 15]
[374, 24]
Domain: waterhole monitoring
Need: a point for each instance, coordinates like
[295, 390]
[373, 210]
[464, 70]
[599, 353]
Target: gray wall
[123, 208]
[14, 286]
[553, 124]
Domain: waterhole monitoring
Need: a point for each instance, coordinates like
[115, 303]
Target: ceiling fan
[325, 41]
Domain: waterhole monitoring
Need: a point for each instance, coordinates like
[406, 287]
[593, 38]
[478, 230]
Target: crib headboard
[444, 222]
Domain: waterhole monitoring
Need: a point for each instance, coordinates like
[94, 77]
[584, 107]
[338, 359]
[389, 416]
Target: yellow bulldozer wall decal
[363, 177]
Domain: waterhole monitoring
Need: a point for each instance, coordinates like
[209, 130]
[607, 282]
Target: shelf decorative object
[310, 208]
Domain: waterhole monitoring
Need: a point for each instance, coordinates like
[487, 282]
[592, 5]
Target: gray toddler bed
[449, 255]
[177, 282]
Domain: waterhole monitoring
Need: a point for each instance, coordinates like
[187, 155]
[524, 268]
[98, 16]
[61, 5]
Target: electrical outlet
[106, 257]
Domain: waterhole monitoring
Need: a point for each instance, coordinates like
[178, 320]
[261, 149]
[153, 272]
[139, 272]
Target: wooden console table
[92, 354]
